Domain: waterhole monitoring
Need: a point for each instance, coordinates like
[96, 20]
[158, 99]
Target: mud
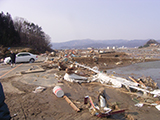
[26, 105]
[46, 106]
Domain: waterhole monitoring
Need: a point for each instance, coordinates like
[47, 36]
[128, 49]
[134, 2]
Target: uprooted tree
[23, 33]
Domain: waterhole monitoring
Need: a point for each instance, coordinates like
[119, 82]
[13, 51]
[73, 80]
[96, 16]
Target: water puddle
[137, 70]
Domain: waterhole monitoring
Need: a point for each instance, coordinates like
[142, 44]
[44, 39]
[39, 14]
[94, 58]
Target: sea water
[137, 70]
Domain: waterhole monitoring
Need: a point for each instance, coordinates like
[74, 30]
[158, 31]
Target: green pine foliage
[8, 35]
[20, 32]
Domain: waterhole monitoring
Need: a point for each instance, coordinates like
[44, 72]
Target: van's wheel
[31, 60]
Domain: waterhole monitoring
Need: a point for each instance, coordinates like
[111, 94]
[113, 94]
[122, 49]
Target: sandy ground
[26, 105]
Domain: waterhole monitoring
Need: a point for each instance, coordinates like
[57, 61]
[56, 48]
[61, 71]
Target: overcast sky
[65, 20]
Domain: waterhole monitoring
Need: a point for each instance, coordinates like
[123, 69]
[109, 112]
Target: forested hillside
[20, 32]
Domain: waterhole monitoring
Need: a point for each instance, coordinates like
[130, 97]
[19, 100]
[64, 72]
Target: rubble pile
[76, 72]
[102, 109]
[86, 67]
[82, 72]
[144, 90]
[148, 81]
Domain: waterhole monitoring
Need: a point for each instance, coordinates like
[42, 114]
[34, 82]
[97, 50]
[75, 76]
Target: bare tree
[32, 35]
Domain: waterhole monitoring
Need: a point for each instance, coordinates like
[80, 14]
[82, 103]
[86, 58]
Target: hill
[85, 43]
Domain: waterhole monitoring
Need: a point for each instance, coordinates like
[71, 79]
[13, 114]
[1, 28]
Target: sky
[65, 20]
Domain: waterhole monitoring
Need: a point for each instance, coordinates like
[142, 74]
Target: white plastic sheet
[139, 105]
[156, 92]
[118, 81]
[158, 107]
[75, 78]
[39, 89]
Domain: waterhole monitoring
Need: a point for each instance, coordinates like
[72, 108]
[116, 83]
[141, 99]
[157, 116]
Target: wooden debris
[137, 81]
[133, 79]
[119, 63]
[149, 82]
[91, 101]
[158, 102]
[31, 70]
[71, 103]
[61, 66]
[140, 82]
[111, 113]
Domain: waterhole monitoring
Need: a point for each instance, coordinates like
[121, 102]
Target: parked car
[22, 57]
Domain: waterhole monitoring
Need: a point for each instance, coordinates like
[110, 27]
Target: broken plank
[32, 71]
[111, 113]
[71, 103]
[140, 82]
[133, 79]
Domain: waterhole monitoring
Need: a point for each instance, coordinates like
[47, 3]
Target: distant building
[90, 48]
[153, 45]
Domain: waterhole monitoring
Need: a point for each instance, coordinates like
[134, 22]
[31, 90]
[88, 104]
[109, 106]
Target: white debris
[158, 107]
[156, 92]
[107, 110]
[116, 81]
[39, 89]
[74, 78]
[139, 105]
[102, 101]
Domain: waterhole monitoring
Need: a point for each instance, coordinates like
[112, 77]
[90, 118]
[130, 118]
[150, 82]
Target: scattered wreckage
[94, 109]
[139, 86]
[74, 73]
[118, 82]
[144, 85]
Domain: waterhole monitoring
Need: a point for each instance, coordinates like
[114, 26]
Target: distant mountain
[85, 43]
[151, 41]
